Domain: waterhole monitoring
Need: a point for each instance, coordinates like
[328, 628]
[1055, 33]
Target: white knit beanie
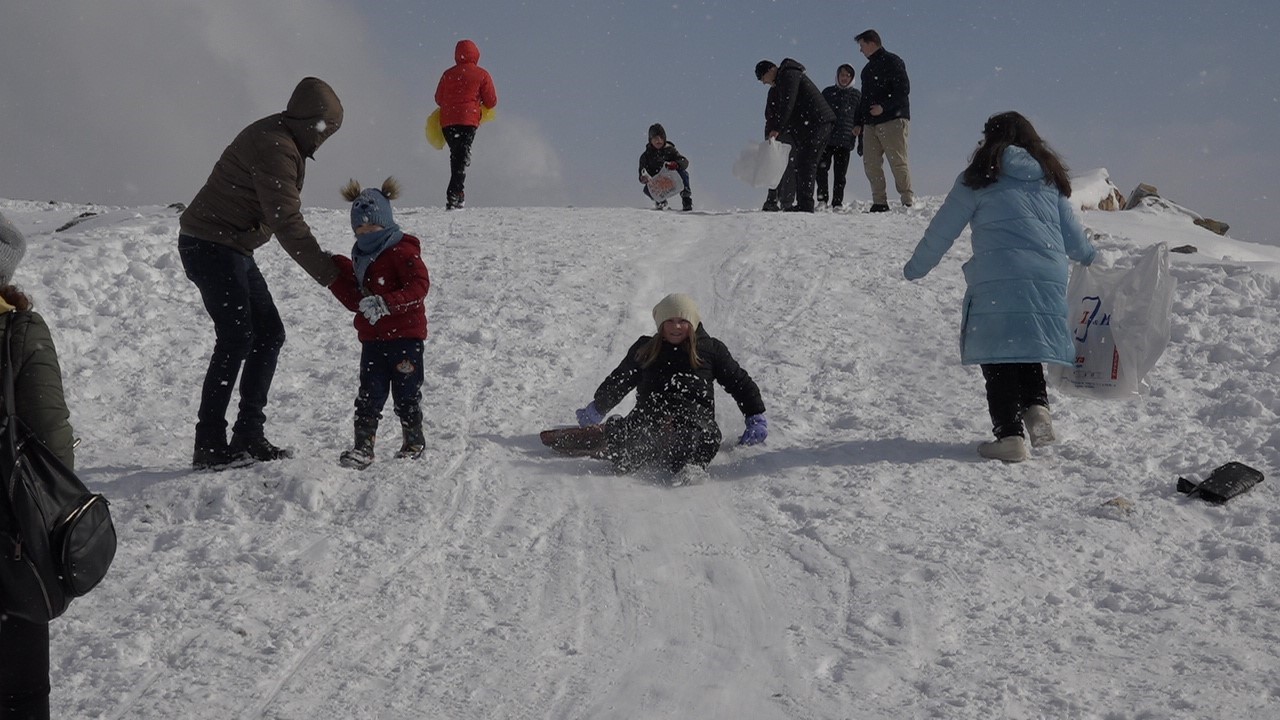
[677, 305]
[12, 247]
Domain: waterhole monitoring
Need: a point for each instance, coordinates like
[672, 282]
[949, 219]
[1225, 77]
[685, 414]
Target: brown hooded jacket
[254, 188]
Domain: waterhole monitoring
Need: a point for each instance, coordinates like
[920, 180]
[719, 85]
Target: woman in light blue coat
[1014, 195]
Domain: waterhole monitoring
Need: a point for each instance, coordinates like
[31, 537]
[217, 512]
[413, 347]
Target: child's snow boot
[414, 442]
[686, 198]
[1039, 425]
[360, 456]
[1010, 449]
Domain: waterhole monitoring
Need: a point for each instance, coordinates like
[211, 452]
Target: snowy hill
[864, 563]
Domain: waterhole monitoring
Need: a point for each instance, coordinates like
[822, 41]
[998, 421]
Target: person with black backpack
[40, 404]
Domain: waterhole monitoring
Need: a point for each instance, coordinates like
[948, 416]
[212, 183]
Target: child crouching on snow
[385, 284]
[659, 154]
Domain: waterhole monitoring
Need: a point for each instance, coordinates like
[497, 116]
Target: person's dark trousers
[808, 151]
[459, 138]
[1011, 389]
[785, 192]
[24, 669]
[248, 332]
[834, 158]
[394, 367]
[643, 439]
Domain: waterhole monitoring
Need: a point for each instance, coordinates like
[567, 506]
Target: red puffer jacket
[464, 88]
[400, 277]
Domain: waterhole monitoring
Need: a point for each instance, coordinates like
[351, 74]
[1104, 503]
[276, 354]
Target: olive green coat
[37, 381]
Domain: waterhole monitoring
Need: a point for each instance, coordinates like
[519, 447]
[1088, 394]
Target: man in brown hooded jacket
[252, 193]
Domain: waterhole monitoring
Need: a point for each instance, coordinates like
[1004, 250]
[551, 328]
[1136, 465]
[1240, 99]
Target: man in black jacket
[802, 111]
[883, 116]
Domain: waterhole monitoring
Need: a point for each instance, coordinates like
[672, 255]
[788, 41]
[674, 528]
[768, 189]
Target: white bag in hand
[1120, 325]
[665, 184]
[762, 165]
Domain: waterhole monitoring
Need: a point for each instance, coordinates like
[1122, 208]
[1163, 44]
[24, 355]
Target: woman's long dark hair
[1011, 128]
[15, 297]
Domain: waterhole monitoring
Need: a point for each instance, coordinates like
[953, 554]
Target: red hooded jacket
[400, 277]
[464, 88]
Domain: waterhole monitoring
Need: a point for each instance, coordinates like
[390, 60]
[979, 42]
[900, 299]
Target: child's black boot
[414, 441]
[360, 456]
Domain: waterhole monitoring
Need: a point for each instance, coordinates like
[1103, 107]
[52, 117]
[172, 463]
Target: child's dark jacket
[400, 277]
[672, 386]
[652, 159]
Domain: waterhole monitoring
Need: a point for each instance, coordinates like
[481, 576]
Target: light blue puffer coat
[1024, 230]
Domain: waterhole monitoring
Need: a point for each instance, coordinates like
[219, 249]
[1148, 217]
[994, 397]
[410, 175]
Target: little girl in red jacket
[385, 284]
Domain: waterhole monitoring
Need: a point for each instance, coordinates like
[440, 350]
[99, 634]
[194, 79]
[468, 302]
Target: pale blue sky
[130, 102]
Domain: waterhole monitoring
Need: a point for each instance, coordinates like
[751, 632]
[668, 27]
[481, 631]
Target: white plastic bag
[1119, 319]
[665, 184]
[762, 165]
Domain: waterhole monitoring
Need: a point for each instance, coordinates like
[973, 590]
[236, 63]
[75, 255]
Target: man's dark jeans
[248, 332]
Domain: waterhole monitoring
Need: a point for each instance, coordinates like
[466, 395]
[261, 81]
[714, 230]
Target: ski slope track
[863, 563]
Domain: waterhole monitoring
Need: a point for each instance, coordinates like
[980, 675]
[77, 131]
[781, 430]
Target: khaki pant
[888, 139]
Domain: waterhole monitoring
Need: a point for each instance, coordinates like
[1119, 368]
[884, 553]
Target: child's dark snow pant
[1011, 389]
[390, 367]
[834, 158]
[669, 441]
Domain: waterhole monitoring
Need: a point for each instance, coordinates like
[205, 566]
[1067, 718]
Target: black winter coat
[771, 118]
[652, 159]
[672, 387]
[800, 109]
[844, 103]
[884, 83]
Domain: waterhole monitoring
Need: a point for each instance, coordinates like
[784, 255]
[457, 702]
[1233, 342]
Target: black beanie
[656, 130]
[763, 67]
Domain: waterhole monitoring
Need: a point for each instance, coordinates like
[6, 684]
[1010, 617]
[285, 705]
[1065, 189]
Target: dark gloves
[757, 430]
[589, 415]
[857, 144]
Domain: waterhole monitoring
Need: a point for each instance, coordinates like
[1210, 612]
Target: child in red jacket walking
[385, 284]
[464, 91]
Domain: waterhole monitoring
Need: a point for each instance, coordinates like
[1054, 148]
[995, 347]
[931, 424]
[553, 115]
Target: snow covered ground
[864, 563]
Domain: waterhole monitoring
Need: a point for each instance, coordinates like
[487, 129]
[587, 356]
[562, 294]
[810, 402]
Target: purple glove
[757, 430]
[589, 415]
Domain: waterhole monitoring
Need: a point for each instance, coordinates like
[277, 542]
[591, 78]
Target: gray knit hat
[12, 247]
[676, 305]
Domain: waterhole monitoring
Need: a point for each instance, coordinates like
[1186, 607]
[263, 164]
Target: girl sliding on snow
[673, 423]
